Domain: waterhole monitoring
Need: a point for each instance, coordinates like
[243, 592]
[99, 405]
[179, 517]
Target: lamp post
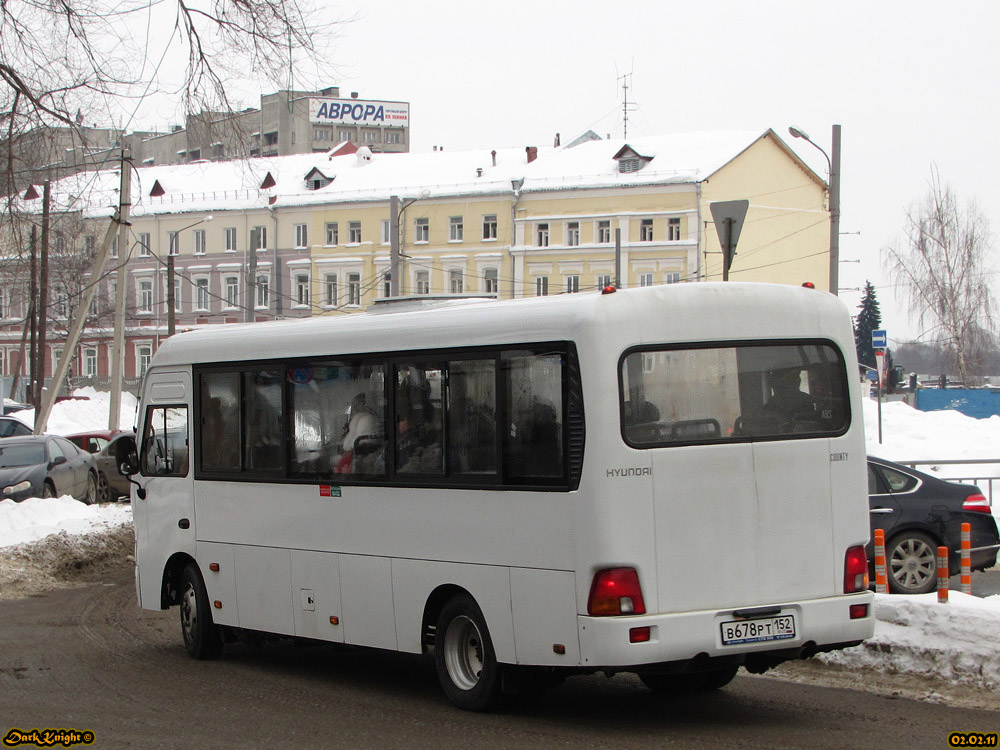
[395, 210]
[833, 163]
[171, 313]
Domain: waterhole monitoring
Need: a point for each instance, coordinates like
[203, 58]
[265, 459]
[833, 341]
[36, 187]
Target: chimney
[494, 153]
[556, 144]
[532, 153]
[479, 171]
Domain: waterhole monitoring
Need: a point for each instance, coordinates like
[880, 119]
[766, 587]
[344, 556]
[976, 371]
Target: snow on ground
[914, 635]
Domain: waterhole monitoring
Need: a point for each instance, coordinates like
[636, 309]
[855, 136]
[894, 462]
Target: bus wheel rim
[463, 653]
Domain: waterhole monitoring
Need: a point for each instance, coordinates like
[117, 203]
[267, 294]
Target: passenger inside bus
[362, 436]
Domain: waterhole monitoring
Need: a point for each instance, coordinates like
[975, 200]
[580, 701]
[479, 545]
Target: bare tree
[942, 266]
[61, 61]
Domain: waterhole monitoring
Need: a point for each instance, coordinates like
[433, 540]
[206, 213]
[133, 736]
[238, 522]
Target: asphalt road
[87, 658]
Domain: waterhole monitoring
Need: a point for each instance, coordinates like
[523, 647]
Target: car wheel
[912, 561]
[48, 489]
[463, 655]
[103, 489]
[202, 637]
[687, 683]
[91, 497]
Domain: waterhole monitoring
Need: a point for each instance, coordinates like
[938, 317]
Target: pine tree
[868, 319]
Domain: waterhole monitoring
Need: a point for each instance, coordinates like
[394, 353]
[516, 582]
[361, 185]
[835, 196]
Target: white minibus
[667, 480]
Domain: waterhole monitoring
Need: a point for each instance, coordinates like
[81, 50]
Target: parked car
[12, 426]
[46, 466]
[918, 513]
[9, 407]
[111, 485]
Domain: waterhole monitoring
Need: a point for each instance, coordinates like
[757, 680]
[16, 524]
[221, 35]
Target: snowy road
[87, 658]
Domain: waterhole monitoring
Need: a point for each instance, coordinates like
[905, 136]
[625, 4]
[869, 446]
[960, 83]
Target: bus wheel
[463, 655]
[687, 683]
[202, 638]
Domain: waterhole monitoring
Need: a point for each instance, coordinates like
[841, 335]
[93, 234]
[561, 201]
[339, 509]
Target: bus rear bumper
[625, 643]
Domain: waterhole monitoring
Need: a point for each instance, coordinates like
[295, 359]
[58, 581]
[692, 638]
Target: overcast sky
[913, 85]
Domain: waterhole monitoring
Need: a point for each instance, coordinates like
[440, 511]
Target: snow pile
[916, 635]
[36, 518]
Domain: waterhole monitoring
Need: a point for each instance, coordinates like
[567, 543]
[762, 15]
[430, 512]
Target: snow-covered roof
[239, 185]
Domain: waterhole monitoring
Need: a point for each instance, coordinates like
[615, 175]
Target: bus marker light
[214, 567]
[608, 290]
[218, 604]
[639, 635]
[859, 611]
[334, 620]
[558, 648]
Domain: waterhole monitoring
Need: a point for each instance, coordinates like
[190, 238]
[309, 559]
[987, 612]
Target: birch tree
[942, 266]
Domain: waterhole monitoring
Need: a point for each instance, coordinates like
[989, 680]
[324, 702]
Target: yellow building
[310, 234]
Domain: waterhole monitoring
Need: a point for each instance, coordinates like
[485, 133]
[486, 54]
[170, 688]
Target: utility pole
[835, 211]
[124, 252]
[42, 308]
[171, 316]
[393, 245]
[32, 316]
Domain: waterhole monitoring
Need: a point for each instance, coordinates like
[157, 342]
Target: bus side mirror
[127, 456]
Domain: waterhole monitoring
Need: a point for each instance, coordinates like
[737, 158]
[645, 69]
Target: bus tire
[202, 637]
[466, 663]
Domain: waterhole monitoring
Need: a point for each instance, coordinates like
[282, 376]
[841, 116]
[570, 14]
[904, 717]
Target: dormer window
[630, 160]
[316, 180]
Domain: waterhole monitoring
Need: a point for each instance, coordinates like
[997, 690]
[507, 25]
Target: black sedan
[918, 513]
[46, 466]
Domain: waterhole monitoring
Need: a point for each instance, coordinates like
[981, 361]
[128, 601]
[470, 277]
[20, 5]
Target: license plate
[777, 628]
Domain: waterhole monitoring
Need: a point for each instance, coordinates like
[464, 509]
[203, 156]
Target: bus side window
[534, 434]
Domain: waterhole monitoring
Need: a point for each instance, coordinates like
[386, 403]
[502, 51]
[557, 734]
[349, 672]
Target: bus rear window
[740, 392]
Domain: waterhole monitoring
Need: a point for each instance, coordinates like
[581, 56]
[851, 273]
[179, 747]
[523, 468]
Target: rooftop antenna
[626, 106]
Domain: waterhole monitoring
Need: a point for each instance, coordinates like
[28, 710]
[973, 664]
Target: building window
[90, 363]
[645, 279]
[172, 244]
[232, 291]
[143, 354]
[604, 280]
[301, 236]
[456, 281]
[263, 292]
[258, 239]
[61, 301]
[572, 284]
[542, 235]
[672, 277]
[573, 233]
[393, 136]
[673, 229]
[201, 298]
[88, 244]
[347, 135]
[143, 244]
[146, 296]
[646, 230]
[230, 233]
[331, 296]
[422, 230]
[386, 232]
[455, 229]
[604, 232]
[114, 247]
[490, 227]
[354, 289]
[541, 286]
[332, 233]
[491, 284]
[321, 134]
[371, 136]
[177, 292]
[199, 241]
[3, 306]
[387, 284]
[302, 289]
[354, 233]
[423, 282]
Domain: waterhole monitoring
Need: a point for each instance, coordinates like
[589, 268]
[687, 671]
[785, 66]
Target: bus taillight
[616, 591]
[855, 570]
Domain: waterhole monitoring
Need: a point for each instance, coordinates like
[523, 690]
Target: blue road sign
[880, 339]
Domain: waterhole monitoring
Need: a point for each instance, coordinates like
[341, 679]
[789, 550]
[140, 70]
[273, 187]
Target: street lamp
[395, 209]
[170, 273]
[833, 163]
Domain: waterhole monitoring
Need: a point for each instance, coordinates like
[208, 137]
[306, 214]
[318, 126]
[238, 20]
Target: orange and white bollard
[966, 559]
[942, 575]
[880, 580]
